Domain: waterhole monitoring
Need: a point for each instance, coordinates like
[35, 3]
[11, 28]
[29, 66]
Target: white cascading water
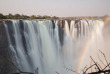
[23, 60]
[42, 48]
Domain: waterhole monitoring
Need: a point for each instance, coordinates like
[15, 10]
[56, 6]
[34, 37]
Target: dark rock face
[61, 33]
[3, 39]
[21, 25]
[1, 23]
[69, 22]
[63, 23]
[10, 31]
[76, 21]
[5, 56]
[6, 64]
[53, 24]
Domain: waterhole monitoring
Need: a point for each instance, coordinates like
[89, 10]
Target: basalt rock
[6, 65]
[53, 24]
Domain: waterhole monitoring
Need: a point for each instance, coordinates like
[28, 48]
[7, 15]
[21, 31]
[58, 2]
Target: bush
[2, 16]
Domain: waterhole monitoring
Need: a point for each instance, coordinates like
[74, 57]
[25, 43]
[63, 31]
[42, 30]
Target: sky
[60, 8]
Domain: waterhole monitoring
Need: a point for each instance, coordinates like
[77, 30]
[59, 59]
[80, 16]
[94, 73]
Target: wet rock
[63, 23]
[69, 22]
[5, 55]
[61, 33]
[11, 32]
[53, 23]
[76, 21]
[3, 37]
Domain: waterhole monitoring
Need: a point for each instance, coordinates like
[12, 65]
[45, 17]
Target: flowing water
[38, 44]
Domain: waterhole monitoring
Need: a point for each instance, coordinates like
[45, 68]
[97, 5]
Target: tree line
[18, 16]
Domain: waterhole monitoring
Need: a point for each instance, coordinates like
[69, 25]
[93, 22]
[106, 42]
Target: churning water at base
[38, 44]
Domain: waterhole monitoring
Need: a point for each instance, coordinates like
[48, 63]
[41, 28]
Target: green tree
[9, 16]
[46, 17]
[2, 16]
[23, 17]
[54, 17]
[33, 17]
[17, 16]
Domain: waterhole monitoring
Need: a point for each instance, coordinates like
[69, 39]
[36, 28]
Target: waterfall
[38, 44]
[20, 48]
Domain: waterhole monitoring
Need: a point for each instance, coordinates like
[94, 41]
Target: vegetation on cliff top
[18, 16]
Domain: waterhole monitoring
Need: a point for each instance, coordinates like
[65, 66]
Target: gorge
[50, 46]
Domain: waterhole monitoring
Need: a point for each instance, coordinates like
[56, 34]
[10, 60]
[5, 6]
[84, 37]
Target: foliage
[33, 17]
[18, 16]
[2, 16]
[9, 16]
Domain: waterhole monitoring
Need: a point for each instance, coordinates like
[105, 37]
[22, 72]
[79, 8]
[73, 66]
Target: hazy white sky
[63, 8]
